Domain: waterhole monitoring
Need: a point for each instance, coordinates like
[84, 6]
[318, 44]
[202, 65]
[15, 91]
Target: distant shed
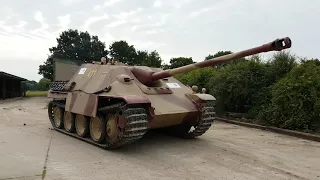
[10, 86]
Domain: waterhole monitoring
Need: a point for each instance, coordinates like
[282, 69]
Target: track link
[58, 85]
[136, 124]
[204, 123]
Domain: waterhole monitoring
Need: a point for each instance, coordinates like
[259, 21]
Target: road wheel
[58, 117]
[112, 127]
[82, 125]
[97, 128]
[68, 121]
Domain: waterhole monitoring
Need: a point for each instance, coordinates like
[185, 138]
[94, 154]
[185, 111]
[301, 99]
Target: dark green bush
[236, 86]
[295, 102]
[279, 92]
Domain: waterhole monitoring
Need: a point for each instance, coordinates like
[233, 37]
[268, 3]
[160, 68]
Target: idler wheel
[82, 125]
[68, 121]
[58, 117]
[97, 128]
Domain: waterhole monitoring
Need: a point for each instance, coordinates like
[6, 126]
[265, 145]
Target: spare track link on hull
[58, 85]
[136, 124]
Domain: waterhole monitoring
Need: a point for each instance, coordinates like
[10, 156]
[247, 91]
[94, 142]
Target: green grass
[36, 93]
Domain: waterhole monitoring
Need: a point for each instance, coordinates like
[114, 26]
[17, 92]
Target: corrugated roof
[4, 74]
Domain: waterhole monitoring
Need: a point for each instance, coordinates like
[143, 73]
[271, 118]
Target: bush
[199, 77]
[237, 85]
[279, 92]
[44, 84]
[295, 102]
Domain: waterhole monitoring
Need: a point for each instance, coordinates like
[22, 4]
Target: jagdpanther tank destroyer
[113, 104]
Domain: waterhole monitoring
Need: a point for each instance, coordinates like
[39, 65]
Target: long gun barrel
[148, 78]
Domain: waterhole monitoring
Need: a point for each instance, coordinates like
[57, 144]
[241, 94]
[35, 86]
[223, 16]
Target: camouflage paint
[168, 101]
[82, 103]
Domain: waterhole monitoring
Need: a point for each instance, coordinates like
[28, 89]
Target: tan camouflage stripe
[88, 80]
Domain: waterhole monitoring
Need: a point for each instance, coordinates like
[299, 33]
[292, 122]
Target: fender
[133, 99]
[201, 97]
[198, 98]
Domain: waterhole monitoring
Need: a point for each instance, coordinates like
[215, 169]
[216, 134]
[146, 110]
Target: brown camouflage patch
[82, 103]
[73, 100]
[90, 105]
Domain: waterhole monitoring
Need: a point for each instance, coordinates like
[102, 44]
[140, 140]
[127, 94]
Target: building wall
[10, 88]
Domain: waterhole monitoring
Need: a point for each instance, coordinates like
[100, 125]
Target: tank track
[205, 121]
[135, 128]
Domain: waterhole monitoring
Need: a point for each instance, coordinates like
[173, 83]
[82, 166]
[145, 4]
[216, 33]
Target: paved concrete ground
[225, 152]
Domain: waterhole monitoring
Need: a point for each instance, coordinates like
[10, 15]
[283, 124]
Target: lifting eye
[126, 79]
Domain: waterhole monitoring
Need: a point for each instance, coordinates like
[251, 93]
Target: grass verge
[36, 93]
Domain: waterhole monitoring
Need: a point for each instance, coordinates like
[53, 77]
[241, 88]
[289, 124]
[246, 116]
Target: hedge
[283, 92]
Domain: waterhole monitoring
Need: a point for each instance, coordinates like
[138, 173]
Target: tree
[125, 53]
[315, 61]
[218, 54]
[165, 66]
[153, 60]
[180, 61]
[29, 85]
[281, 63]
[73, 45]
[46, 70]
[142, 56]
[222, 53]
[44, 84]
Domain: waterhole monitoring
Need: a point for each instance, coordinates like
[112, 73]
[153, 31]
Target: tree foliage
[74, 45]
[180, 61]
[295, 102]
[152, 59]
[77, 45]
[123, 52]
[280, 92]
[44, 84]
[222, 53]
[29, 85]
[46, 69]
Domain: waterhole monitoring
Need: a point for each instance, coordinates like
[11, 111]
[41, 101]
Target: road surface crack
[19, 177]
[44, 170]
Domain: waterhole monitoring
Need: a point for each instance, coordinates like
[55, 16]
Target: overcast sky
[187, 28]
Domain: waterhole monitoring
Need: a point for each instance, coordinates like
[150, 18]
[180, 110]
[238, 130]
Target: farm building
[10, 86]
